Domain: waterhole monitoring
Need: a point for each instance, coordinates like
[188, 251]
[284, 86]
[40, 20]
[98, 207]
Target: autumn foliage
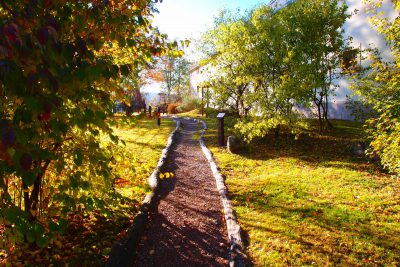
[62, 64]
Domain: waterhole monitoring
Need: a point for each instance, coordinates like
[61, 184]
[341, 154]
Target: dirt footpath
[188, 229]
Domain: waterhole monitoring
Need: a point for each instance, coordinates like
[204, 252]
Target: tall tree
[275, 59]
[174, 70]
[227, 62]
[317, 31]
[61, 66]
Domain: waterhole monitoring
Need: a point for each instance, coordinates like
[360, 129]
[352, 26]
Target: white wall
[363, 35]
[198, 76]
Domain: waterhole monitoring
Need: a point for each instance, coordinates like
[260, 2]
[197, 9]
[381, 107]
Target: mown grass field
[90, 235]
[311, 201]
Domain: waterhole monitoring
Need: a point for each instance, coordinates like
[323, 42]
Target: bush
[172, 108]
[189, 103]
[252, 128]
[211, 112]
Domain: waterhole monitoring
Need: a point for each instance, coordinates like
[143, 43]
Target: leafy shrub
[211, 112]
[380, 89]
[360, 110]
[189, 103]
[59, 80]
[171, 108]
[250, 129]
[253, 128]
[385, 142]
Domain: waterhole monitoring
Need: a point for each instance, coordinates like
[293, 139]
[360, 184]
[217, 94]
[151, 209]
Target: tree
[225, 50]
[278, 76]
[380, 89]
[174, 70]
[61, 66]
[133, 100]
[273, 60]
[318, 26]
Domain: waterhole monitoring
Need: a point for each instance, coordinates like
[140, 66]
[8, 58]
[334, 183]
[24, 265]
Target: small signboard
[220, 115]
[221, 138]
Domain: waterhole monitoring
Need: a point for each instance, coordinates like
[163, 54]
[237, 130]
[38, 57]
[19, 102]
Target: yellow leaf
[161, 176]
[58, 243]
[167, 175]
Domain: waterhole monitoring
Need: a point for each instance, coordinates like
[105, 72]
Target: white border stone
[237, 257]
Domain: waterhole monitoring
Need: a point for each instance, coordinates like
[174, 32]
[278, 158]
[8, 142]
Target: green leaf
[125, 70]
[75, 180]
[30, 236]
[53, 226]
[100, 115]
[38, 229]
[78, 157]
[89, 114]
[11, 214]
[130, 42]
[62, 225]
[42, 241]
[114, 138]
[33, 103]
[28, 178]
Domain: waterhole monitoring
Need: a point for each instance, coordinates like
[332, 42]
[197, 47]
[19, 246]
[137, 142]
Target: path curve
[188, 229]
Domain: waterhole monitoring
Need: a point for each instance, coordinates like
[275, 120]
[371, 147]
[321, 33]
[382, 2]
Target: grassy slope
[310, 202]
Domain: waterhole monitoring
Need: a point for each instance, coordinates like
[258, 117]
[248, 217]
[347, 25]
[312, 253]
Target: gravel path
[188, 229]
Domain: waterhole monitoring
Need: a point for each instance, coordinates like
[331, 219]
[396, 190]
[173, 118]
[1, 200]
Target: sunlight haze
[182, 19]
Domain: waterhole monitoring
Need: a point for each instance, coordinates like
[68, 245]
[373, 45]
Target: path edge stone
[237, 256]
[123, 251]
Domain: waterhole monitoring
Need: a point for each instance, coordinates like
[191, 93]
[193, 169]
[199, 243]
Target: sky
[182, 19]
[187, 19]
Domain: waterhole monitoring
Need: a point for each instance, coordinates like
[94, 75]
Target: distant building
[197, 76]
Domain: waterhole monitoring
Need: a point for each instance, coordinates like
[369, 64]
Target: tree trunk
[237, 108]
[34, 199]
[321, 123]
[27, 203]
[328, 123]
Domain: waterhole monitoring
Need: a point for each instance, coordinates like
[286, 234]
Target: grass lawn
[89, 236]
[144, 143]
[311, 202]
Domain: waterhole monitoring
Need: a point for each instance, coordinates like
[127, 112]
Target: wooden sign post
[221, 137]
[158, 117]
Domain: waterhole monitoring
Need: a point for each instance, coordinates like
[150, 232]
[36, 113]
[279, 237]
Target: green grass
[193, 114]
[144, 142]
[311, 202]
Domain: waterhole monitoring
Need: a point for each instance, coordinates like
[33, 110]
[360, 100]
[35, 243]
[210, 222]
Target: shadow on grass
[360, 238]
[332, 149]
[338, 230]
